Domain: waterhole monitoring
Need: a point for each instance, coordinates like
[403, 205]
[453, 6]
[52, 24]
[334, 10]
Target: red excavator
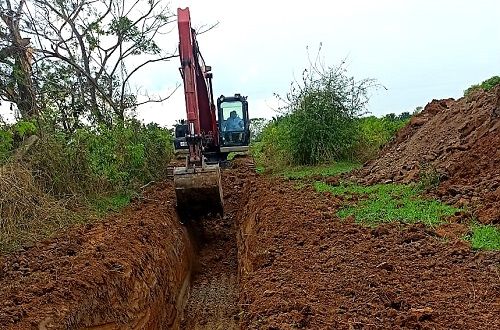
[210, 132]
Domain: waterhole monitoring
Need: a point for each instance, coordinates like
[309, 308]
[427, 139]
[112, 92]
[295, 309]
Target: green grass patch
[112, 203]
[336, 168]
[260, 169]
[388, 203]
[485, 237]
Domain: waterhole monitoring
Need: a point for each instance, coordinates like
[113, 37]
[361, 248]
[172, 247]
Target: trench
[139, 269]
[213, 296]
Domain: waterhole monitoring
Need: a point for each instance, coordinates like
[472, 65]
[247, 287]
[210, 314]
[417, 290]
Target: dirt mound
[130, 271]
[456, 142]
[301, 267]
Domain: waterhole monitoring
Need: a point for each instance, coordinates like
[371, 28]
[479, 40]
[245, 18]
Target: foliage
[103, 159]
[428, 176]
[485, 85]
[387, 203]
[321, 112]
[336, 168]
[256, 127]
[485, 237]
[110, 203]
[322, 122]
[6, 143]
[373, 133]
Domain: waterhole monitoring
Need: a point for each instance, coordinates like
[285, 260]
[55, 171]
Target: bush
[6, 145]
[97, 167]
[485, 85]
[102, 160]
[319, 122]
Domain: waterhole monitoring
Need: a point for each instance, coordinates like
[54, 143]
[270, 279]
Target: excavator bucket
[198, 191]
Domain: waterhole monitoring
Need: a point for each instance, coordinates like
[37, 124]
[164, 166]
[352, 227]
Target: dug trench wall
[131, 271]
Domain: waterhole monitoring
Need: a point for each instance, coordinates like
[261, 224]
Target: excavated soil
[129, 272]
[301, 267]
[140, 269]
[279, 258]
[456, 140]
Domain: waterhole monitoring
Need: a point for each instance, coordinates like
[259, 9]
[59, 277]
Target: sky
[419, 50]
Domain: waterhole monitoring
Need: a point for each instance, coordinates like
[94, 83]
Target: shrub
[373, 133]
[319, 122]
[101, 160]
[6, 145]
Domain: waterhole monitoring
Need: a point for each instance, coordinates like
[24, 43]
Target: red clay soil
[301, 267]
[460, 140]
[129, 272]
[213, 298]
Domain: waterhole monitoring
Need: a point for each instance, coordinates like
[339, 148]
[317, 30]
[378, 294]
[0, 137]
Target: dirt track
[279, 259]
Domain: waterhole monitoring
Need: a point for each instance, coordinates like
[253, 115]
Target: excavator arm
[197, 79]
[197, 184]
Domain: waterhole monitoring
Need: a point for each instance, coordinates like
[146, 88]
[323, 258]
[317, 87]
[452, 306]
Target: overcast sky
[419, 50]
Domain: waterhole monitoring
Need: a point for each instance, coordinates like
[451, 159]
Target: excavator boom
[197, 184]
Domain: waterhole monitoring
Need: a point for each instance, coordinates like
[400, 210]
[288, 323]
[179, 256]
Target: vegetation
[323, 121]
[94, 170]
[75, 59]
[336, 168]
[373, 133]
[485, 237]
[75, 150]
[387, 203]
[485, 85]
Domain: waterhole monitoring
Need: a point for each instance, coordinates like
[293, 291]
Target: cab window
[232, 117]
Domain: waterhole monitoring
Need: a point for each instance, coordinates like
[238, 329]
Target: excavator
[208, 134]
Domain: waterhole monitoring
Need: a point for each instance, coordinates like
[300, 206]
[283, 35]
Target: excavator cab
[234, 124]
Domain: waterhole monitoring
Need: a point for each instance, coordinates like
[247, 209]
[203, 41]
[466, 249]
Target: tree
[16, 84]
[87, 51]
[256, 127]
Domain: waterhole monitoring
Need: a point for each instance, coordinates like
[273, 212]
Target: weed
[429, 177]
[485, 237]
[388, 203]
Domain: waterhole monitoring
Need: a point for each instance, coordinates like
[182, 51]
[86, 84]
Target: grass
[260, 169]
[302, 172]
[388, 203]
[113, 203]
[485, 237]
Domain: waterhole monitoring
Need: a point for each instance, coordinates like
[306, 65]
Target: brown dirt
[213, 301]
[130, 271]
[301, 267]
[460, 141]
[293, 264]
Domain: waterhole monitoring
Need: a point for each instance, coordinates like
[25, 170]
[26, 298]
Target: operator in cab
[233, 123]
